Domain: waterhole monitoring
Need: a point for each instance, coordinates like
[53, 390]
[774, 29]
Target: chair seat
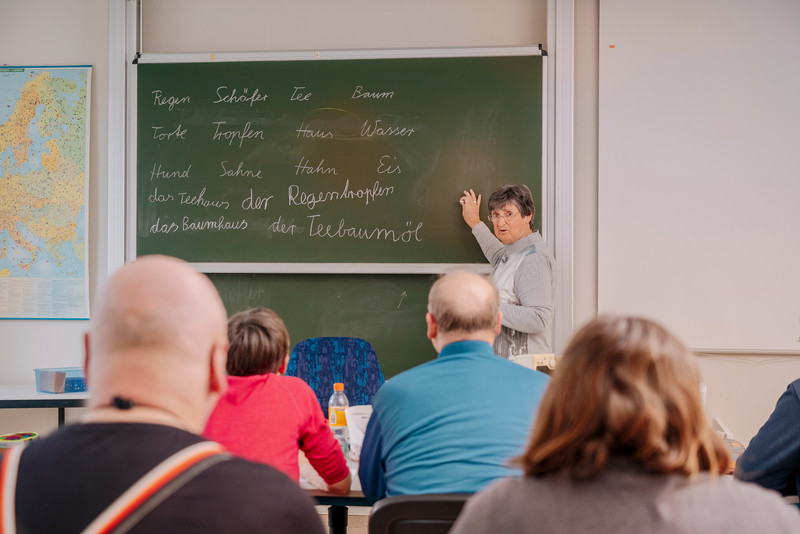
[416, 514]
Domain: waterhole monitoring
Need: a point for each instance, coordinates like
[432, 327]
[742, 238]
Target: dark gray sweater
[625, 499]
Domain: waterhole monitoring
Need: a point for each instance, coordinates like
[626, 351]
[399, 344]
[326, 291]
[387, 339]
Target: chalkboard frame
[329, 267]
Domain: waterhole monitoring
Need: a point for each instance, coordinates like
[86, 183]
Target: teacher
[523, 268]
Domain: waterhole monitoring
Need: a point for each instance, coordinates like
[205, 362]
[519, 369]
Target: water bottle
[336, 417]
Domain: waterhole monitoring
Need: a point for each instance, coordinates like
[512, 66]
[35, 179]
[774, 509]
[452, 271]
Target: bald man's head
[154, 303]
[159, 338]
[464, 302]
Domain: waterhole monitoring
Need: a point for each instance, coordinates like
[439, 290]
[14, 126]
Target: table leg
[337, 519]
[61, 416]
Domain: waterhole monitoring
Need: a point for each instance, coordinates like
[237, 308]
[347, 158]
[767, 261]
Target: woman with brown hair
[621, 444]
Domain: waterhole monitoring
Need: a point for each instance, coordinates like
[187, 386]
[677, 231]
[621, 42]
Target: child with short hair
[267, 417]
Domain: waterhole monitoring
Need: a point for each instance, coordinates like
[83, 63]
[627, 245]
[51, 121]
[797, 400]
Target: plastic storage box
[60, 380]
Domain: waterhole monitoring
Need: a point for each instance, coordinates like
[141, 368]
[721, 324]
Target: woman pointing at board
[523, 268]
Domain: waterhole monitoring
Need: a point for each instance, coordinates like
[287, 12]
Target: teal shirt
[450, 425]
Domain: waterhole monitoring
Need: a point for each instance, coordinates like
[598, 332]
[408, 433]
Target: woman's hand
[471, 208]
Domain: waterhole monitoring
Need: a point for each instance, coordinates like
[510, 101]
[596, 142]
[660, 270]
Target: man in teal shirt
[451, 425]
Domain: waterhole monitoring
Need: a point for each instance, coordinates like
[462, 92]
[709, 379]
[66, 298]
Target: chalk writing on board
[177, 133]
[158, 173]
[234, 96]
[297, 197]
[318, 229]
[240, 170]
[318, 161]
[170, 101]
[360, 92]
[224, 132]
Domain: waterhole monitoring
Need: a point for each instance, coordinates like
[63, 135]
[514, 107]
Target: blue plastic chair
[323, 361]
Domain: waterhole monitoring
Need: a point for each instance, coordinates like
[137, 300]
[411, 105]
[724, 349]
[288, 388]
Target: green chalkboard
[330, 160]
[386, 310]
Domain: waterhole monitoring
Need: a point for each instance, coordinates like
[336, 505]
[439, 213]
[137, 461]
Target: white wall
[238, 25]
[50, 32]
[698, 176]
[742, 388]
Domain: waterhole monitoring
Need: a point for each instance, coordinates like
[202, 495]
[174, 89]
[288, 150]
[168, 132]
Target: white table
[337, 504]
[28, 397]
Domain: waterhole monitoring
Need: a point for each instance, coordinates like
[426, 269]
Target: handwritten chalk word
[160, 174]
[316, 229]
[218, 225]
[254, 202]
[156, 197]
[376, 128]
[166, 228]
[280, 227]
[304, 168]
[231, 135]
[305, 132]
[200, 200]
[310, 200]
[170, 101]
[254, 293]
[177, 133]
[299, 96]
[358, 92]
[239, 172]
[230, 97]
[386, 165]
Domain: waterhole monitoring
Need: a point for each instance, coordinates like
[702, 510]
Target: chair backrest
[416, 514]
[323, 361]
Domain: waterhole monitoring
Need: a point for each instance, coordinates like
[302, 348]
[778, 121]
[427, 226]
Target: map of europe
[43, 161]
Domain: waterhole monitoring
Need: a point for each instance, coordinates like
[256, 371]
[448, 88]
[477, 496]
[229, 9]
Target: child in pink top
[267, 417]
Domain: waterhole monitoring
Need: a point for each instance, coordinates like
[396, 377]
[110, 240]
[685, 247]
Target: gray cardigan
[524, 273]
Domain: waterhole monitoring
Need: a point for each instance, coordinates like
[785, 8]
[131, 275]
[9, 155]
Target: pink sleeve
[318, 443]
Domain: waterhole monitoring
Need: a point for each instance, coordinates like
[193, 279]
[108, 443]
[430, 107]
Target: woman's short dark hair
[624, 386]
[519, 195]
[259, 342]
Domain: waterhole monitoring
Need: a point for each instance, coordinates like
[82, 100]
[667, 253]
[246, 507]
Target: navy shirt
[772, 459]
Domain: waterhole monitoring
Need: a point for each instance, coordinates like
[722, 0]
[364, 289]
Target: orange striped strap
[136, 502]
[150, 490]
[8, 489]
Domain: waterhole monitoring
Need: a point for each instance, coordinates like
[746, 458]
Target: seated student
[266, 417]
[451, 424]
[772, 459]
[621, 445]
[155, 365]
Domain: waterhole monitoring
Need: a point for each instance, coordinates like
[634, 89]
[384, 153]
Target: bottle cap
[338, 386]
